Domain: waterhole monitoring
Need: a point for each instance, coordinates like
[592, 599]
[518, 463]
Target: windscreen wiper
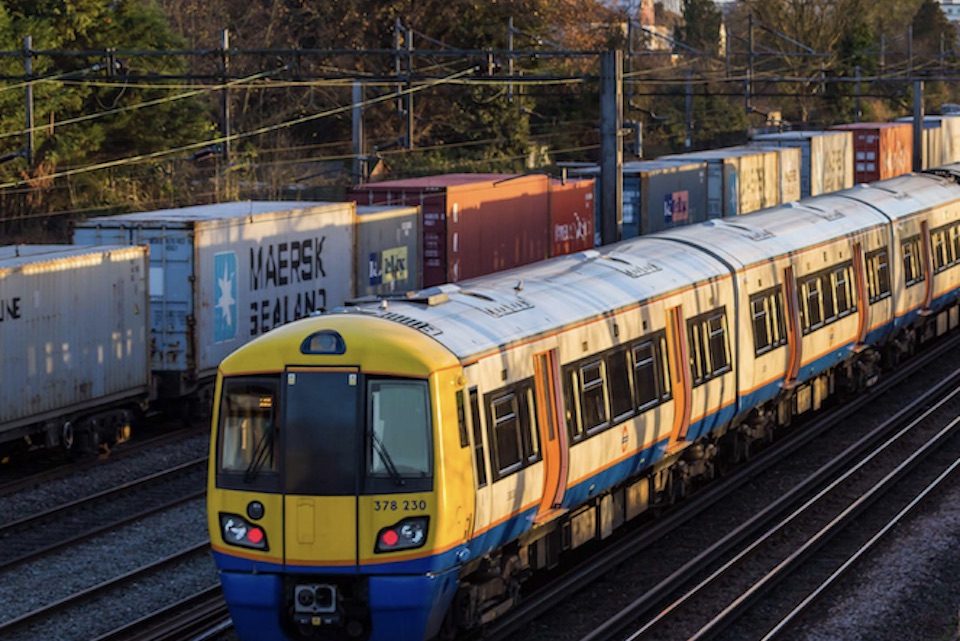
[260, 455]
[385, 457]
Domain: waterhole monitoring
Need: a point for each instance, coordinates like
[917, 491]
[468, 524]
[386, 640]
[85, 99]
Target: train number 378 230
[399, 506]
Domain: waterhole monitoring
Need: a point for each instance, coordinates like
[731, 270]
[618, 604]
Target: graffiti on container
[276, 265]
[676, 207]
[387, 266]
[579, 229]
[10, 309]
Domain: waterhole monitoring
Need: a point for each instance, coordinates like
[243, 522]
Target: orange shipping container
[473, 224]
[881, 150]
[571, 216]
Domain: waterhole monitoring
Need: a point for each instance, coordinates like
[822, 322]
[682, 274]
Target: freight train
[136, 315]
[396, 470]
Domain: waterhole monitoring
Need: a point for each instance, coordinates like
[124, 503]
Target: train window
[247, 456]
[709, 352]
[621, 386]
[593, 396]
[941, 250]
[811, 309]
[462, 421]
[528, 422]
[912, 265]
[513, 429]
[878, 275]
[571, 396]
[505, 412]
[398, 444]
[955, 242]
[646, 374]
[478, 450]
[768, 328]
[842, 284]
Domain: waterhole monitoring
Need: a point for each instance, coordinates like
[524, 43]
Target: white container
[220, 275]
[826, 162]
[73, 334]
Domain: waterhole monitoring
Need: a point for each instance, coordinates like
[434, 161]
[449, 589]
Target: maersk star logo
[225, 310]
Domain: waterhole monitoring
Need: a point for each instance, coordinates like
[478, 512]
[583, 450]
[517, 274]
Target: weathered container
[388, 250]
[657, 194]
[473, 224]
[881, 149]
[950, 132]
[739, 179]
[571, 216]
[73, 333]
[223, 274]
[827, 158]
[932, 139]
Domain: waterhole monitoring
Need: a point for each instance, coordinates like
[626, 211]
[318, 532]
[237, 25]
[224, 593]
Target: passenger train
[396, 470]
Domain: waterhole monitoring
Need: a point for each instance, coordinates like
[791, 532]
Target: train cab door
[322, 446]
[553, 437]
[680, 375]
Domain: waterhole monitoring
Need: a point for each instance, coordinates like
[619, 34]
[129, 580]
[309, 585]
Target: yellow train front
[330, 514]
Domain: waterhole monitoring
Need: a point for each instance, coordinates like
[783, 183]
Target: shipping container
[473, 224]
[74, 336]
[657, 194]
[950, 132]
[932, 141]
[388, 250]
[881, 150]
[739, 179]
[571, 216]
[827, 158]
[223, 274]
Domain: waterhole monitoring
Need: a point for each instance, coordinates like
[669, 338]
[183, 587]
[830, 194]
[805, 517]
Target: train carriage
[396, 469]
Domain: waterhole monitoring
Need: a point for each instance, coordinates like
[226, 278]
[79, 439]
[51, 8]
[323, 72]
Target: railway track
[665, 579]
[54, 529]
[822, 534]
[43, 466]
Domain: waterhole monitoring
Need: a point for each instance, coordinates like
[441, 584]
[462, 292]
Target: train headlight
[406, 535]
[236, 530]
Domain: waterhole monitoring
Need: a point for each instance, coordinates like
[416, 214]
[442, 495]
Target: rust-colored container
[473, 224]
[881, 150]
[571, 216]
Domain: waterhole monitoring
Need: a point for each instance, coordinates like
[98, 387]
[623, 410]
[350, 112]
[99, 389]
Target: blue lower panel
[255, 603]
[402, 608]
[410, 608]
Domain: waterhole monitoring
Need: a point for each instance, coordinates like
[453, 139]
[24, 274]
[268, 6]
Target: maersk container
[657, 194]
[739, 179]
[881, 149]
[388, 250]
[73, 336]
[221, 275]
[571, 216]
[827, 160]
[473, 224]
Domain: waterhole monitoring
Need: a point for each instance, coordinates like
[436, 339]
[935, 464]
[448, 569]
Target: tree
[701, 25]
[105, 97]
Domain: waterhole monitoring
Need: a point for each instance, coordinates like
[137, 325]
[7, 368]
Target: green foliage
[701, 25]
[79, 86]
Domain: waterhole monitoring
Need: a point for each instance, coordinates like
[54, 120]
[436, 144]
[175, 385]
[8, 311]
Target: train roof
[907, 194]
[757, 237]
[478, 315]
